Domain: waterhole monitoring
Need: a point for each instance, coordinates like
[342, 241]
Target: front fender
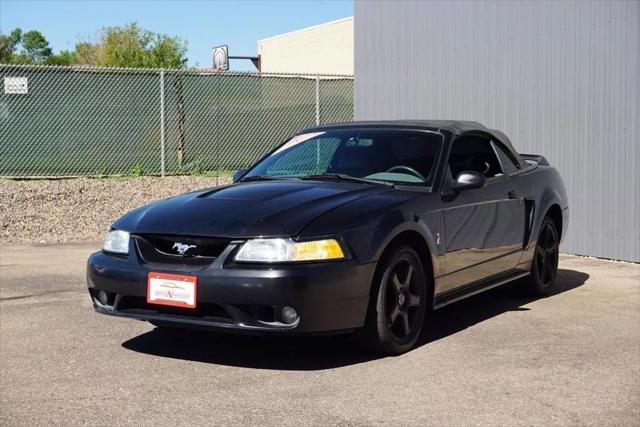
[369, 224]
[370, 242]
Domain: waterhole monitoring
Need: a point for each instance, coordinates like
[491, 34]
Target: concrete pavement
[494, 359]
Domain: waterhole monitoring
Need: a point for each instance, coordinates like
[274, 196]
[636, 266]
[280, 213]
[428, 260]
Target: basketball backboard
[221, 57]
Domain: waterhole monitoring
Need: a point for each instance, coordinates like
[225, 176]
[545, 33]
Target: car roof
[455, 127]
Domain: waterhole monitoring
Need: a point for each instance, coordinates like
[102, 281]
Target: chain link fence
[74, 121]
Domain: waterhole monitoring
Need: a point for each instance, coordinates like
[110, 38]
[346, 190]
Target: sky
[204, 24]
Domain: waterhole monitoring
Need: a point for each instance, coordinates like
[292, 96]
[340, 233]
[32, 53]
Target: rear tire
[544, 267]
[398, 300]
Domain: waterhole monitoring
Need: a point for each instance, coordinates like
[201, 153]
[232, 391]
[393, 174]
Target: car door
[484, 227]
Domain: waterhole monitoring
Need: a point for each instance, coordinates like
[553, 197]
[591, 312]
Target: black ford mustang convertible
[359, 227]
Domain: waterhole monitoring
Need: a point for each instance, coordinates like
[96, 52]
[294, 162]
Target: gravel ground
[75, 210]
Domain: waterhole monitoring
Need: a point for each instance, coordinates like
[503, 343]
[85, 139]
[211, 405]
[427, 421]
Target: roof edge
[313, 27]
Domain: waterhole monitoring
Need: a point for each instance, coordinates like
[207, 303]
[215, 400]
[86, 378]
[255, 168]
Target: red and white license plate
[172, 289]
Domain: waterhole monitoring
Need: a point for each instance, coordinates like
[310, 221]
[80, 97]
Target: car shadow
[328, 352]
[468, 312]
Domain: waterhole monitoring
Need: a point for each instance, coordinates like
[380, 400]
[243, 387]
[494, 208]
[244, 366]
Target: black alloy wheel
[547, 254]
[396, 315]
[545, 259]
[402, 303]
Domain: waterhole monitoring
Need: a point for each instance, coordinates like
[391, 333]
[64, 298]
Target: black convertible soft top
[455, 127]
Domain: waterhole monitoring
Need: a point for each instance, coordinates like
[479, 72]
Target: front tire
[398, 301]
[545, 260]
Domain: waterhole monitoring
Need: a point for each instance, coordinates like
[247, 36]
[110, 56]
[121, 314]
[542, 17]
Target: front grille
[179, 250]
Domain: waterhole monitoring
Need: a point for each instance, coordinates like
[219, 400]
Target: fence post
[317, 100]
[162, 123]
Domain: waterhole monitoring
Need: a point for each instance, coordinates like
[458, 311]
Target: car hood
[250, 209]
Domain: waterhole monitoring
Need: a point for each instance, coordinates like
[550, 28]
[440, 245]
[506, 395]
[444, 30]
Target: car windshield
[397, 156]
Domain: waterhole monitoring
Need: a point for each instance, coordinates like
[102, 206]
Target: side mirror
[468, 180]
[238, 174]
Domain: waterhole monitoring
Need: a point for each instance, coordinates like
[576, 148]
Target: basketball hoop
[220, 56]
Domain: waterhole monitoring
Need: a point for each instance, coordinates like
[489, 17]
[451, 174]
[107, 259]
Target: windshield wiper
[265, 178]
[257, 178]
[344, 177]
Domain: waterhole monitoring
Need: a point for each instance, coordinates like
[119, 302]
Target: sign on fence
[16, 86]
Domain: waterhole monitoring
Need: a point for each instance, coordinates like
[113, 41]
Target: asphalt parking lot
[498, 358]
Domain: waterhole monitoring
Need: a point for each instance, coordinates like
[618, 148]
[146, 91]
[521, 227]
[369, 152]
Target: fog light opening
[288, 314]
[103, 297]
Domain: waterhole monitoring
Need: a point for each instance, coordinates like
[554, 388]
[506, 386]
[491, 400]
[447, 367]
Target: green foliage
[101, 173]
[88, 53]
[137, 170]
[132, 46]
[168, 52]
[65, 57]
[35, 47]
[9, 45]
[196, 167]
[126, 46]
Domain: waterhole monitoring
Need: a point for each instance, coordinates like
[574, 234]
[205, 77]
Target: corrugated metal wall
[560, 78]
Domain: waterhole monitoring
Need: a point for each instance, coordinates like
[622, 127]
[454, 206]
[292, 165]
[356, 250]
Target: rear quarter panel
[543, 187]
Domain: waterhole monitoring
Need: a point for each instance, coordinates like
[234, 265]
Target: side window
[505, 160]
[476, 154]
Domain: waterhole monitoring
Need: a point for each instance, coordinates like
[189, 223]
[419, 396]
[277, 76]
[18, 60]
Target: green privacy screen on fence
[57, 121]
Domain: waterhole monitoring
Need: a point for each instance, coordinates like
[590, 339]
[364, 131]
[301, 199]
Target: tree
[35, 47]
[132, 46]
[168, 52]
[88, 53]
[65, 57]
[126, 46]
[9, 45]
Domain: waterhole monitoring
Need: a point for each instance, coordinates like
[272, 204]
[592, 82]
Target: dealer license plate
[172, 289]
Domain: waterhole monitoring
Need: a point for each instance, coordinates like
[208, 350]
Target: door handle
[513, 195]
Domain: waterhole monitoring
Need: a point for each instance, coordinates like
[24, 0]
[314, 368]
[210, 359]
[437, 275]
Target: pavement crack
[20, 297]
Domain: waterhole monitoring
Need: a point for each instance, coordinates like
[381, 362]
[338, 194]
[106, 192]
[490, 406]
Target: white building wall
[322, 49]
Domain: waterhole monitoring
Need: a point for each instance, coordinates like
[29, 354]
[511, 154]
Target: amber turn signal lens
[316, 250]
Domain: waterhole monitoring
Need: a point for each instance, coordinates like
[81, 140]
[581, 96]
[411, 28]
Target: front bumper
[328, 297]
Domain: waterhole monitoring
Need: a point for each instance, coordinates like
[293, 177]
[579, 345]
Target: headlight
[286, 250]
[117, 241]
